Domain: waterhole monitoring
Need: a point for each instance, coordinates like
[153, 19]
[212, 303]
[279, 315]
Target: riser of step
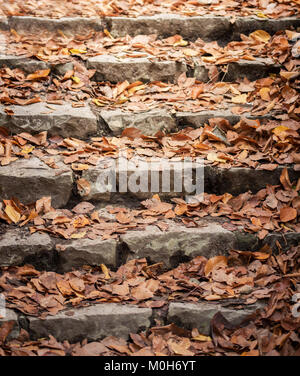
[205, 27]
[113, 69]
[63, 120]
[110, 319]
[67, 121]
[31, 179]
[173, 246]
[170, 180]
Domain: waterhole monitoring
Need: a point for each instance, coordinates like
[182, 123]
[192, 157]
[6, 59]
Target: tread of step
[206, 27]
[178, 243]
[112, 319]
[80, 122]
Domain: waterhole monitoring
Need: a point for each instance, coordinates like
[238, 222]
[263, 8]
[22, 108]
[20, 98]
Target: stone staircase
[30, 179]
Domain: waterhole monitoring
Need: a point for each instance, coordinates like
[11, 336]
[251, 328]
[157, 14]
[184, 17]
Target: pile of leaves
[245, 276]
[94, 8]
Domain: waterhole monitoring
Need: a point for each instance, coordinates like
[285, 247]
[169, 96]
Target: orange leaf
[38, 74]
[287, 214]
[213, 262]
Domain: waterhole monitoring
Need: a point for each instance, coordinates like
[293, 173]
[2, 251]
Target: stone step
[113, 69]
[63, 120]
[199, 315]
[98, 321]
[26, 64]
[30, 179]
[140, 179]
[81, 122]
[167, 120]
[176, 244]
[93, 322]
[148, 69]
[118, 180]
[207, 27]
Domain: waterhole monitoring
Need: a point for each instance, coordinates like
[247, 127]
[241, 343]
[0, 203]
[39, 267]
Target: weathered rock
[18, 246]
[62, 68]
[69, 25]
[189, 315]
[148, 122]
[111, 68]
[253, 70]
[237, 180]
[197, 119]
[26, 64]
[64, 120]
[92, 323]
[30, 179]
[140, 178]
[246, 25]
[81, 252]
[164, 25]
[178, 243]
[286, 240]
[10, 315]
[3, 23]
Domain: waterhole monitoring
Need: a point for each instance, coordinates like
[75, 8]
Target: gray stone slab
[26, 64]
[237, 180]
[10, 315]
[31, 179]
[114, 69]
[178, 243]
[92, 323]
[199, 315]
[18, 245]
[205, 27]
[69, 25]
[63, 120]
[148, 122]
[79, 252]
[246, 25]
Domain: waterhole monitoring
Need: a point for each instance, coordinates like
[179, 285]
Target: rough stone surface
[81, 252]
[148, 122]
[64, 120]
[237, 180]
[189, 315]
[111, 68]
[31, 179]
[3, 23]
[10, 315]
[253, 70]
[178, 243]
[26, 64]
[140, 178]
[69, 25]
[164, 25]
[286, 240]
[92, 323]
[17, 245]
[246, 25]
[197, 119]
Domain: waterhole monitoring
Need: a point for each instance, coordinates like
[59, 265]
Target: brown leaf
[213, 262]
[287, 214]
